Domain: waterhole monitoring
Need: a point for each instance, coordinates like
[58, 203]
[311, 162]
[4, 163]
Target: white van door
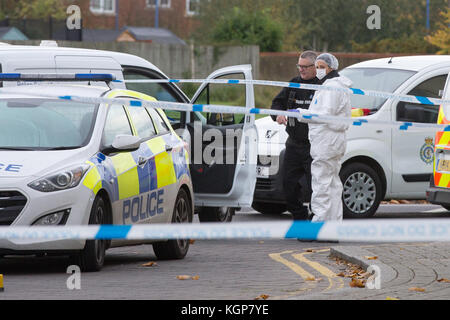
[413, 149]
[224, 146]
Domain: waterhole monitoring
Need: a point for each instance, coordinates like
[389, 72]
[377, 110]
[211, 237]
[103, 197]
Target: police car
[70, 163]
[380, 162]
[213, 201]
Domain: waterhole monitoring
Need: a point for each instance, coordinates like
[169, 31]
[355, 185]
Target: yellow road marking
[334, 281]
[332, 277]
[291, 265]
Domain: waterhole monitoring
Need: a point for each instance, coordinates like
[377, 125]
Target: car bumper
[269, 190]
[78, 200]
[439, 196]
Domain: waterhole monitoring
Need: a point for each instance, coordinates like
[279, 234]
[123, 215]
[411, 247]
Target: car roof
[57, 90]
[413, 63]
[122, 58]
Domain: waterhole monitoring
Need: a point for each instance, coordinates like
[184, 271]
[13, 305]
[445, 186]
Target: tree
[33, 9]
[441, 38]
[243, 27]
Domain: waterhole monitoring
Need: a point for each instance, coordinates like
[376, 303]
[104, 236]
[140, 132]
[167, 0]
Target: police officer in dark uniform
[297, 159]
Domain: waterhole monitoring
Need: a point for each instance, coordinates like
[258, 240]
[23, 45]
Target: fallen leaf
[191, 241]
[394, 202]
[391, 298]
[263, 297]
[444, 280]
[195, 277]
[309, 250]
[310, 279]
[261, 242]
[417, 289]
[184, 277]
[405, 202]
[341, 274]
[355, 283]
[150, 264]
[371, 258]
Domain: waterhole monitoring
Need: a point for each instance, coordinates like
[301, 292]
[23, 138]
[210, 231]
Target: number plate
[444, 165]
[262, 172]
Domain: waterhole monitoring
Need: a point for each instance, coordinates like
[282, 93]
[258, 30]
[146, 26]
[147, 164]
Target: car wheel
[269, 208]
[176, 249]
[362, 191]
[92, 257]
[216, 214]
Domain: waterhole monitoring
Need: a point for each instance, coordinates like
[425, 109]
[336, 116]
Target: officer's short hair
[311, 55]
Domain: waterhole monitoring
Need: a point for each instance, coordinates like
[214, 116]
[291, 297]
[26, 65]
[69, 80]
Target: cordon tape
[392, 230]
[383, 230]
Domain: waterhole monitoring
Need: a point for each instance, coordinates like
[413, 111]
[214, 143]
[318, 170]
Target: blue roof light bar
[101, 77]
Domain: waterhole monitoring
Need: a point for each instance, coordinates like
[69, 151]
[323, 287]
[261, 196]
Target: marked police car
[70, 163]
[213, 201]
[380, 162]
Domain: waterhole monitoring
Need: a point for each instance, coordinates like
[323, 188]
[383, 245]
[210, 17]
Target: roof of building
[11, 33]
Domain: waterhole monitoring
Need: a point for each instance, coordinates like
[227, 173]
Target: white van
[219, 188]
[380, 163]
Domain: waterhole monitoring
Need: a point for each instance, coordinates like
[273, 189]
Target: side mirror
[124, 143]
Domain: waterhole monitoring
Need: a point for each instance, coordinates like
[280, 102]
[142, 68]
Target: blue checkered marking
[304, 230]
[112, 232]
[406, 126]
[233, 81]
[294, 85]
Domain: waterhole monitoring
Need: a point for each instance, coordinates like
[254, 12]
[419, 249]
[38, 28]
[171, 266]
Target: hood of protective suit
[341, 80]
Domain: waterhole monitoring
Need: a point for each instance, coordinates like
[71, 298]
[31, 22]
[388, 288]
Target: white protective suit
[328, 145]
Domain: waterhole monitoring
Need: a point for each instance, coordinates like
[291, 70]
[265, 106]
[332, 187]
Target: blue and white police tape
[305, 86]
[387, 230]
[301, 115]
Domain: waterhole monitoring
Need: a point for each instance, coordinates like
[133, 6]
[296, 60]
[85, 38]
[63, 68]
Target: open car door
[223, 146]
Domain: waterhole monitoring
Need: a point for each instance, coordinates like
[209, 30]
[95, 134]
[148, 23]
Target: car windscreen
[39, 124]
[376, 79]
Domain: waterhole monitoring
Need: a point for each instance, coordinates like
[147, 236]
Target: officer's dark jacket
[291, 98]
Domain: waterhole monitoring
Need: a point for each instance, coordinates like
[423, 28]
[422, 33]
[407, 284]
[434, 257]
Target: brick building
[176, 15]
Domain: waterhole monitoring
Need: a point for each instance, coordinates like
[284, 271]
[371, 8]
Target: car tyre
[92, 257]
[362, 192]
[269, 208]
[178, 248]
[216, 214]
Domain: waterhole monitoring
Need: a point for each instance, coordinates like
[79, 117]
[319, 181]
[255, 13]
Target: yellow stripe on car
[163, 162]
[93, 180]
[127, 175]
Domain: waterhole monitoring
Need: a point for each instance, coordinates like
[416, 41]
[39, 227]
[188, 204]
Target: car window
[116, 123]
[376, 79]
[142, 123]
[45, 124]
[159, 122]
[159, 91]
[223, 94]
[416, 112]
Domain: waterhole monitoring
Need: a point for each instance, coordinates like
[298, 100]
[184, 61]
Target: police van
[220, 187]
[380, 162]
[69, 163]
[439, 190]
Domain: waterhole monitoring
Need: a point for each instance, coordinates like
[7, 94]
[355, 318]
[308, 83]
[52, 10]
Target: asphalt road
[217, 270]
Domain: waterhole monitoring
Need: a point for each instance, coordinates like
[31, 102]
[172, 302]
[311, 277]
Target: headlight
[63, 180]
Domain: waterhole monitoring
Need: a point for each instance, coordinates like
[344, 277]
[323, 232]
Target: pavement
[407, 271]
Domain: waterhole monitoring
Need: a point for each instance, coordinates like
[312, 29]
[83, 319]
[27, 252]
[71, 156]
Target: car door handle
[142, 161]
[168, 148]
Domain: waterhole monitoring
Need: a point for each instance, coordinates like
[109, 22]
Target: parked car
[69, 163]
[380, 163]
[214, 201]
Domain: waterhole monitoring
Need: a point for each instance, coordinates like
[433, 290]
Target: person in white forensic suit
[328, 141]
